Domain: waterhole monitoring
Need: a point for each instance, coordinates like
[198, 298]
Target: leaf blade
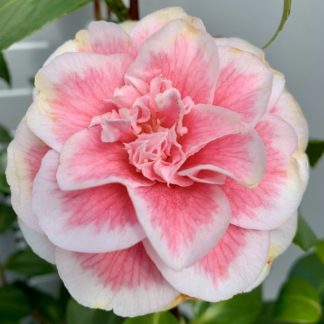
[19, 18]
[298, 302]
[315, 151]
[305, 237]
[29, 264]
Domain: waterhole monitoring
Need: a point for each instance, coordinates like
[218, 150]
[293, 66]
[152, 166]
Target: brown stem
[97, 9]
[133, 10]
[175, 312]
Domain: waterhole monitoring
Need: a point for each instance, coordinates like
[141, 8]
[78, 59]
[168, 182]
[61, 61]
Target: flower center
[150, 125]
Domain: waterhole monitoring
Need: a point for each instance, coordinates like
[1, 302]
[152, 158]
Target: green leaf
[305, 238]
[76, 313]
[266, 315]
[319, 248]
[26, 262]
[7, 218]
[14, 304]
[243, 309]
[298, 302]
[5, 136]
[19, 18]
[157, 318]
[118, 8]
[4, 187]
[315, 150]
[311, 269]
[43, 305]
[284, 17]
[4, 71]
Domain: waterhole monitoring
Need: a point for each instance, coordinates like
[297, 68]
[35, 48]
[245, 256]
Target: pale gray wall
[298, 53]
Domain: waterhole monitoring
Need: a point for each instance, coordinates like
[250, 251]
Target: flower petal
[104, 37]
[153, 22]
[70, 91]
[126, 281]
[88, 162]
[170, 52]
[231, 266]
[278, 85]
[38, 242]
[182, 223]
[240, 156]
[92, 220]
[25, 154]
[240, 44]
[280, 240]
[289, 110]
[279, 193]
[244, 84]
[206, 123]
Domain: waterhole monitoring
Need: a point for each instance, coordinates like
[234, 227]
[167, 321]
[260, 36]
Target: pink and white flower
[157, 163]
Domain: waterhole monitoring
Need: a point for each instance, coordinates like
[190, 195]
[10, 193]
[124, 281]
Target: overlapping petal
[153, 22]
[244, 84]
[99, 219]
[86, 162]
[126, 281]
[182, 223]
[107, 38]
[228, 269]
[160, 55]
[280, 191]
[240, 156]
[25, 153]
[38, 242]
[70, 91]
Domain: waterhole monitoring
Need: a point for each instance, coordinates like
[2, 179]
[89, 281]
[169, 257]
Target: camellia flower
[157, 163]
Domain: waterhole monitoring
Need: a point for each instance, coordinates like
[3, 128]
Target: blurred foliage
[315, 150]
[4, 71]
[305, 238]
[118, 8]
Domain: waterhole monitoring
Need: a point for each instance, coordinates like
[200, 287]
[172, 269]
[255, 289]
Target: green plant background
[300, 300]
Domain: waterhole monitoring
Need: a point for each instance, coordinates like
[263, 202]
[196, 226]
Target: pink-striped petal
[126, 281]
[159, 56]
[87, 162]
[289, 110]
[182, 223]
[279, 193]
[206, 123]
[153, 22]
[241, 157]
[25, 154]
[70, 91]
[104, 37]
[228, 269]
[38, 242]
[244, 84]
[92, 220]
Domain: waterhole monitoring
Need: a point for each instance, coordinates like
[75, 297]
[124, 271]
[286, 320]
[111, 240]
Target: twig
[133, 10]
[97, 9]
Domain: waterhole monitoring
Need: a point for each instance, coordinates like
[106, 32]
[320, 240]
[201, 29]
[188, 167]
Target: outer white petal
[38, 242]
